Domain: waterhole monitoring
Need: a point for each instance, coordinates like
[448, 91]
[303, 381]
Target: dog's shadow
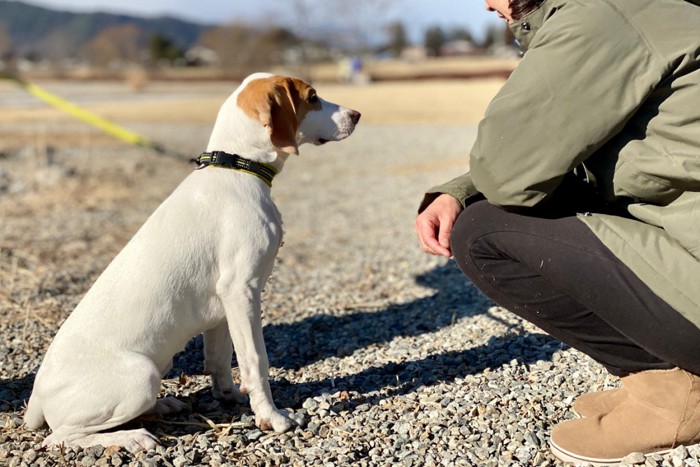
[294, 346]
[318, 337]
[14, 392]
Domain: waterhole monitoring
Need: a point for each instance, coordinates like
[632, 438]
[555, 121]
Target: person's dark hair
[519, 8]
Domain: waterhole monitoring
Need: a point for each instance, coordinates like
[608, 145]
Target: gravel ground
[391, 356]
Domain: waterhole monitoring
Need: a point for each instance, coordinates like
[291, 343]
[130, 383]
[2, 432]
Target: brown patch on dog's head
[280, 104]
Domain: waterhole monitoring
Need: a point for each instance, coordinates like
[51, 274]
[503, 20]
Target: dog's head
[292, 113]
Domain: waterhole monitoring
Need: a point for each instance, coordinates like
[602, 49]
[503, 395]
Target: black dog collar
[264, 172]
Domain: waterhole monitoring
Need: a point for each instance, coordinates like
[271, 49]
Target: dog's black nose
[355, 116]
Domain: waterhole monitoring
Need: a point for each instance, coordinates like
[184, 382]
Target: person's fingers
[434, 225]
[445, 232]
[424, 233]
[428, 232]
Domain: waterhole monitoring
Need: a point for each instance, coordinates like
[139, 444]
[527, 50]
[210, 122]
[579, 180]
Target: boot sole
[577, 459]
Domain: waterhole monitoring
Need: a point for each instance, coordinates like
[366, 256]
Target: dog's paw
[131, 440]
[232, 395]
[278, 421]
[167, 405]
[140, 440]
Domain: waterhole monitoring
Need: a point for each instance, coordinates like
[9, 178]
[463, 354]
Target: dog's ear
[273, 101]
[283, 116]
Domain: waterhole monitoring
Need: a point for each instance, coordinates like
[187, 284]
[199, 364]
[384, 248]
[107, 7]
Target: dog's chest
[235, 213]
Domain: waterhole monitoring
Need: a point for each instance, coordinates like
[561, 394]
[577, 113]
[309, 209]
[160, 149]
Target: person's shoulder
[588, 15]
[595, 22]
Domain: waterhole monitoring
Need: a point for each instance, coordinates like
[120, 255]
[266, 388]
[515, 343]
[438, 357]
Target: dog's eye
[313, 98]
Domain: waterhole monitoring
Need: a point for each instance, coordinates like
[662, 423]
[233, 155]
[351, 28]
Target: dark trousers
[555, 273]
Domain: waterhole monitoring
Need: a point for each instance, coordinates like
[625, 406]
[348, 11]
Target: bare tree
[5, 40]
[398, 39]
[121, 43]
[6, 50]
[434, 40]
[242, 49]
[230, 42]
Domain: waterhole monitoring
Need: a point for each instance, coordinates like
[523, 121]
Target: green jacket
[609, 89]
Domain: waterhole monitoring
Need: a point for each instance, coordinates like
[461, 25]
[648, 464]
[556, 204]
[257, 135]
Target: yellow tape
[84, 115]
[88, 117]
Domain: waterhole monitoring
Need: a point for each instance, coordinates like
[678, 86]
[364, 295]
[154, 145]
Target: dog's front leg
[218, 351]
[244, 323]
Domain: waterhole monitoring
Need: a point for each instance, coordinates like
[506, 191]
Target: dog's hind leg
[218, 351]
[101, 399]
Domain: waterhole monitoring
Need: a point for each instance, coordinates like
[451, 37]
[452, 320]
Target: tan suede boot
[661, 411]
[595, 403]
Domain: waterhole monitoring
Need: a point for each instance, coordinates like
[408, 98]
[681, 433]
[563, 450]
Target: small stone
[96, 451]
[30, 456]
[255, 435]
[634, 458]
[310, 405]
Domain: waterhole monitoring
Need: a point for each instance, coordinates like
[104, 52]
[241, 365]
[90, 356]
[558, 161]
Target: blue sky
[416, 15]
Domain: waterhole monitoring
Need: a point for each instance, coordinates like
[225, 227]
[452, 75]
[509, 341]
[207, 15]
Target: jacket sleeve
[583, 76]
[461, 188]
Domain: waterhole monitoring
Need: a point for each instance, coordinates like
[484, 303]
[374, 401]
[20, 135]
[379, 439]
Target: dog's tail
[34, 415]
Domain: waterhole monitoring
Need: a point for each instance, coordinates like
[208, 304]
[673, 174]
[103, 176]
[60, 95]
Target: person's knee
[476, 221]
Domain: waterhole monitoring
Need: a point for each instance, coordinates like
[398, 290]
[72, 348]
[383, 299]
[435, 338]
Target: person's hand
[434, 225]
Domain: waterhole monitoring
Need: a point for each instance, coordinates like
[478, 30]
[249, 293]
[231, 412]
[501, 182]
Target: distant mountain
[58, 34]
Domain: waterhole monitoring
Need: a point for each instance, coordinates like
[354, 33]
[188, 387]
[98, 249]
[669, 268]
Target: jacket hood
[526, 27]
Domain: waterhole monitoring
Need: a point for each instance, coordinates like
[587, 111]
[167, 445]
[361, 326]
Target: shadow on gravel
[14, 392]
[456, 298]
[404, 378]
[316, 338]
[296, 345]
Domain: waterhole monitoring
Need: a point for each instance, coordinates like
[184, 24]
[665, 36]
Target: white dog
[198, 265]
